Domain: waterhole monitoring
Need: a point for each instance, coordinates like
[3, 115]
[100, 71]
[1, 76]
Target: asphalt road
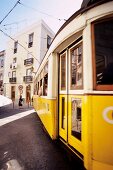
[24, 145]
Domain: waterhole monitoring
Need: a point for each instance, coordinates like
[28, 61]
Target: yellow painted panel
[101, 166]
[46, 109]
[102, 134]
[72, 140]
[63, 118]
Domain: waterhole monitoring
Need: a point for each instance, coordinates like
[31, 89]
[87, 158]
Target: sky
[53, 12]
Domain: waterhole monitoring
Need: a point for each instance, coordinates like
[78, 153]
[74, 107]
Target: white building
[24, 53]
[2, 57]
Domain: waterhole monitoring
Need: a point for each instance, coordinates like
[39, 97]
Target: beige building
[24, 54]
[2, 57]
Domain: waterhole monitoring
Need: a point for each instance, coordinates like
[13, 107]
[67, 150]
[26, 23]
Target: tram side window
[38, 87]
[45, 84]
[35, 88]
[63, 72]
[40, 91]
[103, 37]
[76, 118]
[76, 67]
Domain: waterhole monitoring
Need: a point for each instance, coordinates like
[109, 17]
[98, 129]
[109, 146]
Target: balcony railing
[28, 79]
[28, 61]
[12, 80]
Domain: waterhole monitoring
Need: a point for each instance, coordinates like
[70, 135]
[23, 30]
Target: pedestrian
[20, 103]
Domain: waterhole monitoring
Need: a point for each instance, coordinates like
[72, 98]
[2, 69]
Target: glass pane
[63, 72]
[13, 74]
[29, 55]
[73, 67]
[104, 52]
[15, 44]
[76, 118]
[29, 72]
[63, 113]
[76, 67]
[31, 38]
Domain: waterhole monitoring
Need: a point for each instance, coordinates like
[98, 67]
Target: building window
[30, 41]
[29, 72]
[14, 60]
[2, 63]
[48, 41]
[15, 46]
[29, 55]
[1, 76]
[9, 74]
[13, 74]
[103, 58]
[76, 67]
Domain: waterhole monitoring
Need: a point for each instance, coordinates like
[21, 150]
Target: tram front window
[103, 33]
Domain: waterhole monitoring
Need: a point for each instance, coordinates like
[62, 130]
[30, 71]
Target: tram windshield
[103, 33]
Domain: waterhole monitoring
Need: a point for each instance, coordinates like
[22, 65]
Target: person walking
[20, 103]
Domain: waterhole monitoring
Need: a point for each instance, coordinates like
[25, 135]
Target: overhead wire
[18, 2]
[12, 23]
[19, 44]
[41, 12]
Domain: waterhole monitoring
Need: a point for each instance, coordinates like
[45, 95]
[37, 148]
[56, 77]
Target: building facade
[24, 54]
[2, 57]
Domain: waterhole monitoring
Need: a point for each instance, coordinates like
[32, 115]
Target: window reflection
[76, 67]
[63, 72]
[76, 118]
[104, 52]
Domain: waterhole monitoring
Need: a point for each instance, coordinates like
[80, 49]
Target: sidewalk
[13, 109]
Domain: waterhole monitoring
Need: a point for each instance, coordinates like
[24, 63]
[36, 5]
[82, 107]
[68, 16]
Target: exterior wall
[2, 57]
[37, 51]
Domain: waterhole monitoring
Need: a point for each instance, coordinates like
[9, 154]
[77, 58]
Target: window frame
[76, 46]
[15, 46]
[96, 86]
[48, 41]
[30, 40]
[29, 72]
[64, 87]
[13, 74]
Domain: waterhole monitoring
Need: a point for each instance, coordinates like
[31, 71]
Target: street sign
[20, 87]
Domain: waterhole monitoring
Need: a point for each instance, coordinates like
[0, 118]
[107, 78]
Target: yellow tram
[73, 87]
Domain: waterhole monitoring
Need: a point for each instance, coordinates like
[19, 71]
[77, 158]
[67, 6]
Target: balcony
[12, 80]
[28, 61]
[28, 79]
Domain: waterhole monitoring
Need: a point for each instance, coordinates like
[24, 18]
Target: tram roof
[86, 5]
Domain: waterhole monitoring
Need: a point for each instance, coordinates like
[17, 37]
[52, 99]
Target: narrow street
[25, 146]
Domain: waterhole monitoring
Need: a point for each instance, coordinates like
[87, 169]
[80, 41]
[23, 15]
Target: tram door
[63, 129]
[70, 103]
